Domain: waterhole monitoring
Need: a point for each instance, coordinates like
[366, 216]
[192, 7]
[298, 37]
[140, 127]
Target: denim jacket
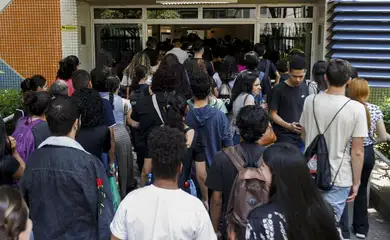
[67, 191]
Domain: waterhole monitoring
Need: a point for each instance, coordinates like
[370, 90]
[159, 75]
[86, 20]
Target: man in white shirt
[180, 54]
[346, 159]
[162, 210]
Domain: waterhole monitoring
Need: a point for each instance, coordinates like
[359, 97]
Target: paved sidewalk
[379, 228]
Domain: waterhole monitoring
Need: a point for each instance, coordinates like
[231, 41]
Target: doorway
[204, 31]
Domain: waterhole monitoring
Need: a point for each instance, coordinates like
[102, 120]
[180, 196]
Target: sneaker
[360, 235]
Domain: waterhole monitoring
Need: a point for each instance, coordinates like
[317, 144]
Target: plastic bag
[116, 198]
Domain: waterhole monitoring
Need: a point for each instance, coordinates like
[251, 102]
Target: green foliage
[10, 100]
[385, 107]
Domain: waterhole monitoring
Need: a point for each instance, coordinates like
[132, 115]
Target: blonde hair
[139, 59]
[359, 90]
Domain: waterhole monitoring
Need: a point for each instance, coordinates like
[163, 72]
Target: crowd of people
[200, 141]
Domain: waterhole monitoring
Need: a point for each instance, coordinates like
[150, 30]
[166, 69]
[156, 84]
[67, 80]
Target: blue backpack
[24, 137]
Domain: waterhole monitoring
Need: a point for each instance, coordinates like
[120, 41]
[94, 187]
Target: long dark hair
[319, 71]
[14, 213]
[140, 73]
[293, 189]
[171, 62]
[176, 110]
[112, 85]
[67, 66]
[228, 70]
[245, 85]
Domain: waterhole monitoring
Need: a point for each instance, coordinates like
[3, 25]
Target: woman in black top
[296, 209]
[11, 164]
[145, 117]
[175, 116]
[93, 135]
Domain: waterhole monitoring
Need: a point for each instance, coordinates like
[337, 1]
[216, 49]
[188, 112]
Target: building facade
[36, 34]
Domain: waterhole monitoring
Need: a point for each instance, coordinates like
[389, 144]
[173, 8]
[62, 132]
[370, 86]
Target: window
[284, 39]
[212, 13]
[117, 13]
[286, 12]
[179, 13]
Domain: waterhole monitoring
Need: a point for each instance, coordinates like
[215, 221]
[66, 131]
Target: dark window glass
[287, 12]
[117, 13]
[229, 13]
[178, 13]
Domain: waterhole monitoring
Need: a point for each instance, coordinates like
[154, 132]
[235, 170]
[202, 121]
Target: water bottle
[150, 176]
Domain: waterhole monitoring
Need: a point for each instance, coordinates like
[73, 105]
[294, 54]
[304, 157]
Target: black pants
[360, 214]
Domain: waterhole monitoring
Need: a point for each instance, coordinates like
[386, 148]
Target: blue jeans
[337, 198]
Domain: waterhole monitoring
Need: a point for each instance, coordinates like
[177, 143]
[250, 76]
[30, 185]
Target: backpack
[265, 80]
[317, 156]
[24, 137]
[250, 189]
[135, 95]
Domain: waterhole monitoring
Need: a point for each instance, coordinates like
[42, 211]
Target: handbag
[116, 198]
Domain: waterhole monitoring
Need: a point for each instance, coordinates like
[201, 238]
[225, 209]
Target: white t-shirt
[350, 122]
[180, 54]
[153, 213]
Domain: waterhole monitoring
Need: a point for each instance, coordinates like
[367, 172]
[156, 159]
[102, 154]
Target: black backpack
[266, 85]
[135, 95]
[317, 156]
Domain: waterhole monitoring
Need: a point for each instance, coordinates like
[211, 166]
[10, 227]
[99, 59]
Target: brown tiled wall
[30, 37]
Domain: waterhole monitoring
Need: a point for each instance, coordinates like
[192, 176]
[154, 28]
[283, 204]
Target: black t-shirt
[8, 167]
[145, 113]
[195, 153]
[191, 64]
[40, 132]
[288, 102]
[222, 173]
[95, 140]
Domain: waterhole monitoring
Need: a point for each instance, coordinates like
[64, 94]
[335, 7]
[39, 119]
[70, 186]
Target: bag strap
[234, 157]
[334, 117]
[31, 124]
[157, 108]
[245, 98]
[341, 164]
[125, 110]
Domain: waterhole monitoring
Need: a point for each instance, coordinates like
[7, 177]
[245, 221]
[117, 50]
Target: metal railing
[8, 118]
[381, 156]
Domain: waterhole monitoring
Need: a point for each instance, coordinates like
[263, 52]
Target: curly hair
[164, 80]
[253, 122]
[171, 62]
[91, 107]
[13, 213]
[140, 58]
[167, 148]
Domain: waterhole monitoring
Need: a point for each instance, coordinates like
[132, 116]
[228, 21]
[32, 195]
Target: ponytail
[176, 108]
[111, 99]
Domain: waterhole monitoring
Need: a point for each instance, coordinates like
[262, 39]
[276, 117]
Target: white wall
[84, 51]
[69, 18]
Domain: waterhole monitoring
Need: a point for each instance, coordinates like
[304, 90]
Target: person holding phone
[287, 102]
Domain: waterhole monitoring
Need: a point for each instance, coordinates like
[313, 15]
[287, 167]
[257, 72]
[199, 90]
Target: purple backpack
[25, 141]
